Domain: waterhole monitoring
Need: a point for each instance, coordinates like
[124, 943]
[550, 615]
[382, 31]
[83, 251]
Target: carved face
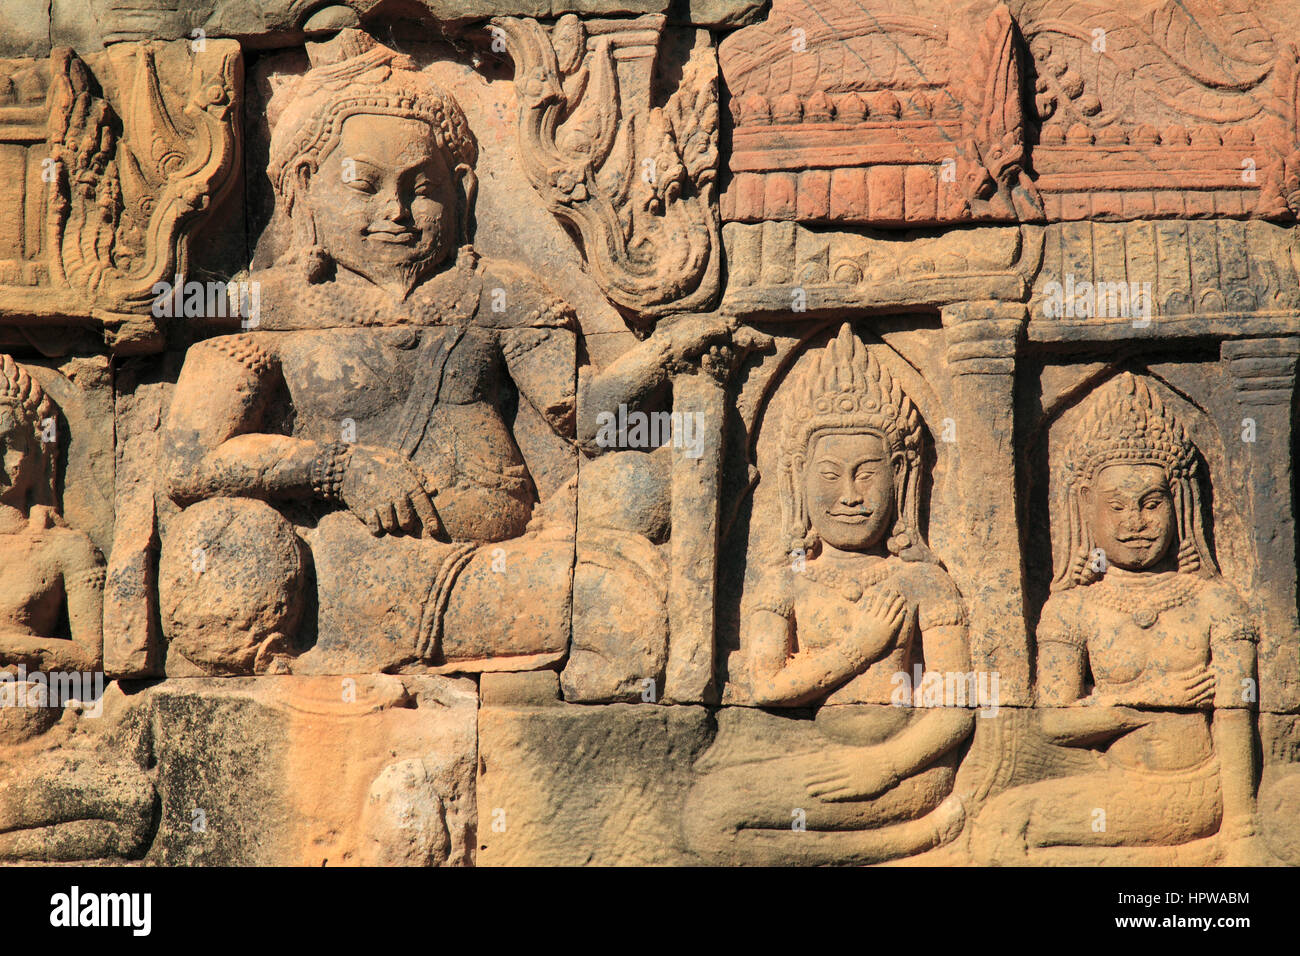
[849, 488]
[18, 457]
[1130, 511]
[384, 201]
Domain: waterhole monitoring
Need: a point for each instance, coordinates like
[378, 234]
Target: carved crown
[1126, 422]
[354, 73]
[846, 389]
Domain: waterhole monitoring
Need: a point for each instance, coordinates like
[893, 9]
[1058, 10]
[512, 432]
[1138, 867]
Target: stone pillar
[983, 340]
[1263, 373]
[692, 587]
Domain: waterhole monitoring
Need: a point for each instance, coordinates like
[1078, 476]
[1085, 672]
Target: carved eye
[362, 185]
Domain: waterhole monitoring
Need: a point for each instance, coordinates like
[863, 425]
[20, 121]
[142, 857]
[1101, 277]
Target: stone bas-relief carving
[856, 599]
[64, 795]
[651, 434]
[1139, 607]
[370, 406]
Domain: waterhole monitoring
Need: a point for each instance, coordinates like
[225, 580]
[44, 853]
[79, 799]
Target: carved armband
[1239, 631]
[244, 350]
[328, 469]
[945, 614]
[92, 579]
[1069, 636]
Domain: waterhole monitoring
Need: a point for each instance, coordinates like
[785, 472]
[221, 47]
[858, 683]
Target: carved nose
[394, 210]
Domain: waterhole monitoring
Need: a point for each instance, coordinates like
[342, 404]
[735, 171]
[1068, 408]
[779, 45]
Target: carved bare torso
[435, 394]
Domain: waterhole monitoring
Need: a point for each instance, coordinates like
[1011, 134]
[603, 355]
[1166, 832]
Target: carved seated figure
[869, 781]
[56, 802]
[361, 434]
[1146, 659]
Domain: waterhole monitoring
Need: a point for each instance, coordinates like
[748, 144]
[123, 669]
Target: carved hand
[836, 778]
[694, 337]
[882, 617]
[1190, 688]
[386, 491]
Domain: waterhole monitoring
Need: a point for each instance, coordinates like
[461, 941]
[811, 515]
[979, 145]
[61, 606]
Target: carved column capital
[984, 337]
[141, 140]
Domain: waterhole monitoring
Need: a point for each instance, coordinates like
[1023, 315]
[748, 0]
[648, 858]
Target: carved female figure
[869, 781]
[49, 569]
[54, 804]
[1146, 658]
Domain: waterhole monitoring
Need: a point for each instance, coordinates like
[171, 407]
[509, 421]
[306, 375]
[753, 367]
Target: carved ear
[301, 180]
[468, 194]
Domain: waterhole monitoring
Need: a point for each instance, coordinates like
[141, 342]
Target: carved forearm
[931, 735]
[252, 466]
[631, 380]
[1085, 725]
[810, 675]
[85, 597]
[1234, 742]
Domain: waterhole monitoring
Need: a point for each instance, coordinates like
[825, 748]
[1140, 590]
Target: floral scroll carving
[636, 182]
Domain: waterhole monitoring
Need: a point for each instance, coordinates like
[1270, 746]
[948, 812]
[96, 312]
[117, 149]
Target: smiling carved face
[1130, 511]
[849, 488]
[384, 201]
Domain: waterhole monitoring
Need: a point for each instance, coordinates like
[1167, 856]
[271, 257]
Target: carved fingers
[388, 493]
[883, 614]
[836, 778]
[1193, 687]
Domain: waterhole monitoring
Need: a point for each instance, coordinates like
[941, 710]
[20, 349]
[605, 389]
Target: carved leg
[747, 815]
[230, 582]
[61, 809]
[1117, 816]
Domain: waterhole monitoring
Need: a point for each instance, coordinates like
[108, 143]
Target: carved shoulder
[1228, 614]
[932, 591]
[1061, 620]
[513, 297]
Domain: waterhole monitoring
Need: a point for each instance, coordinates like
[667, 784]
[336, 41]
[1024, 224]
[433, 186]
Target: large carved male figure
[361, 434]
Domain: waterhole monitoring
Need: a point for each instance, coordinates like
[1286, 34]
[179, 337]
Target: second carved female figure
[1146, 661]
